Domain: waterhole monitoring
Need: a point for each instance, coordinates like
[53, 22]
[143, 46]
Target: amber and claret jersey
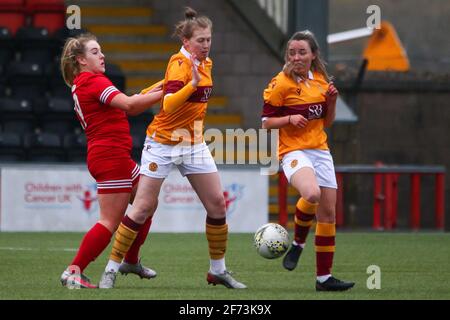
[173, 128]
[284, 96]
[104, 125]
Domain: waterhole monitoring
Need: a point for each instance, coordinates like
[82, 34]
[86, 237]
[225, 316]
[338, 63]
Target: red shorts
[113, 169]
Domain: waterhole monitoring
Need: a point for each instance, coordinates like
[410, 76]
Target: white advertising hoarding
[47, 199]
[246, 196]
[64, 198]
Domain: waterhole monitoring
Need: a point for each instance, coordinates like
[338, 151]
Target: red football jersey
[103, 124]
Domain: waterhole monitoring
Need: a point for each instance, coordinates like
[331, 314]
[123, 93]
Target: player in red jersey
[102, 111]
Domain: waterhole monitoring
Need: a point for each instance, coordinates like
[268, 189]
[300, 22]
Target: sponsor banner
[48, 199]
[246, 198]
[64, 198]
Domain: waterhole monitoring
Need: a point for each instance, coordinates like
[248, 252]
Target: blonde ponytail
[73, 48]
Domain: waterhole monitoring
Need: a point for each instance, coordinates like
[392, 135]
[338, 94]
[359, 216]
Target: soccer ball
[271, 241]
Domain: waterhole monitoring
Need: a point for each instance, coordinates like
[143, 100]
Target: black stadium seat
[115, 74]
[2, 88]
[57, 86]
[6, 49]
[56, 126]
[61, 106]
[76, 147]
[17, 115]
[59, 116]
[16, 108]
[44, 147]
[19, 126]
[11, 147]
[62, 34]
[27, 80]
[35, 45]
[6, 55]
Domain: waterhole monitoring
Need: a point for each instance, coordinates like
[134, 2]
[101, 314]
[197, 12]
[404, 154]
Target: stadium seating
[58, 117]
[19, 126]
[57, 86]
[35, 45]
[2, 87]
[49, 14]
[6, 48]
[44, 147]
[75, 147]
[27, 80]
[37, 121]
[115, 74]
[11, 147]
[17, 115]
[12, 14]
[15, 107]
[62, 34]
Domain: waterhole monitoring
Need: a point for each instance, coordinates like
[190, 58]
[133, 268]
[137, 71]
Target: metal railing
[385, 197]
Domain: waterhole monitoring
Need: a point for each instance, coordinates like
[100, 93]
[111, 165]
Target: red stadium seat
[45, 5]
[11, 5]
[12, 14]
[52, 21]
[49, 14]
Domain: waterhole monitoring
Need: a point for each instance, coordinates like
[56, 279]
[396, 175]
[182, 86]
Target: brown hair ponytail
[185, 29]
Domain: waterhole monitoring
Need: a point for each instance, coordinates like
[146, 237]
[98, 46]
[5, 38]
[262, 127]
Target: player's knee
[217, 205]
[145, 209]
[312, 195]
[111, 224]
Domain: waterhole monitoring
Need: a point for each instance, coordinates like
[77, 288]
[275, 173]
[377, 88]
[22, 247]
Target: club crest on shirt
[153, 167]
[294, 163]
[299, 91]
[274, 83]
[180, 62]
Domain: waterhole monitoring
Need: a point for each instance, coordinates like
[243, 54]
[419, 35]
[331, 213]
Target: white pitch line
[63, 249]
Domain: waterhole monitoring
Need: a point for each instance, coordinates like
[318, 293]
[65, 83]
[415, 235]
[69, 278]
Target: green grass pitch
[413, 266]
